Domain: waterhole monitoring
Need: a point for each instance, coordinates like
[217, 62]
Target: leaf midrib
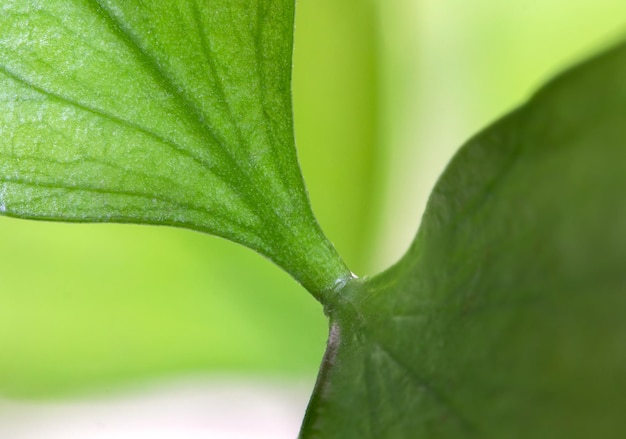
[247, 189]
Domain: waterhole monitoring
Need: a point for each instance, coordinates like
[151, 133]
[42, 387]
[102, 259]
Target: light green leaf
[175, 113]
[506, 317]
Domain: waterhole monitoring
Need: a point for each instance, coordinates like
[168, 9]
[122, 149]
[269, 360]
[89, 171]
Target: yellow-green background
[384, 93]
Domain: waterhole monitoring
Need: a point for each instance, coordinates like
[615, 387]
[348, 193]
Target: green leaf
[506, 317]
[170, 112]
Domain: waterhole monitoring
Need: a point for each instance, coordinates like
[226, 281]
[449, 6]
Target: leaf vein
[163, 77]
[423, 383]
[107, 116]
[98, 190]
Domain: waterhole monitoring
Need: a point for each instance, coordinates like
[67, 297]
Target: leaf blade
[171, 113]
[506, 315]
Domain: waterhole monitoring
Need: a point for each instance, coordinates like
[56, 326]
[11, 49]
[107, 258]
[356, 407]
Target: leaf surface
[173, 113]
[506, 316]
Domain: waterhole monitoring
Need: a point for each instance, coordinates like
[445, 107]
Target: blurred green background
[384, 93]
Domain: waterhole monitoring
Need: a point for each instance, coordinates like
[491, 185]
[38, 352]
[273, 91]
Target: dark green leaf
[170, 112]
[506, 318]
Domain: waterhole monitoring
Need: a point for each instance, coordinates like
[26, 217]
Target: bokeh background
[384, 93]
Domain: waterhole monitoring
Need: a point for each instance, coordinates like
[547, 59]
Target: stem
[312, 260]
